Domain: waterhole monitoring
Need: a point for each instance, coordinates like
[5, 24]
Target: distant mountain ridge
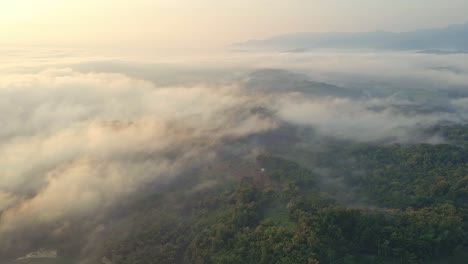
[283, 81]
[450, 38]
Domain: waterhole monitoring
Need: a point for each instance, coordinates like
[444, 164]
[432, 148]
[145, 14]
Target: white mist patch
[74, 144]
[354, 119]
[40, 254]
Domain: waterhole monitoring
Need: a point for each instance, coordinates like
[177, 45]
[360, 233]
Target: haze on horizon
[167, 24]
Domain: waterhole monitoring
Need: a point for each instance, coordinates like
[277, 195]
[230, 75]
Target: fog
[82, 134]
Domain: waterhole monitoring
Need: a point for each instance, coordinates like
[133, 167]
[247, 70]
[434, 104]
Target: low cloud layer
[356, 120]
[81, 136]
[76, 143]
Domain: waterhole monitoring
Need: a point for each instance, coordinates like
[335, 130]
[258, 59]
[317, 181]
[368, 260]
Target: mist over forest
[125, 160]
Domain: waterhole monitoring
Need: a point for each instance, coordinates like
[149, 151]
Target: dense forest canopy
[378, 203]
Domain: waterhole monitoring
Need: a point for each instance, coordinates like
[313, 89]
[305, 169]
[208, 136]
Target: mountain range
[451, 39]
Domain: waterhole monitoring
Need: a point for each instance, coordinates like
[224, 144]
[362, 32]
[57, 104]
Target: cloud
[361, 120]
[75, 144]
[80, 135]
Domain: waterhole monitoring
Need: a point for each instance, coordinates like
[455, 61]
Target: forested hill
[364, 203]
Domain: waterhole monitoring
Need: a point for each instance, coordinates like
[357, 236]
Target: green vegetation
[412, 209]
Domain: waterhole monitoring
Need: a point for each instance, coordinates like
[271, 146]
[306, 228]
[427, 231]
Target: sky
[207, 23]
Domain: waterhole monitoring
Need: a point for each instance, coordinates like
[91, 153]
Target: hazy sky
[207, 23]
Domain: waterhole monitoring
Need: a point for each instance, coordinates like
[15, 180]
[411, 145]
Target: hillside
[398, 203]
